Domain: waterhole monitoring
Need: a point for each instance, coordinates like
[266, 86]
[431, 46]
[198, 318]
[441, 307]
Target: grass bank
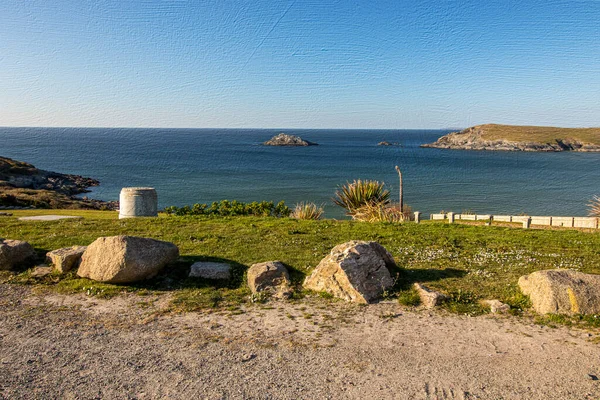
[468, 262]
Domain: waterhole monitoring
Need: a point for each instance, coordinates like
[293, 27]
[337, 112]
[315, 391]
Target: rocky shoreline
[472, 139]
[24, 185]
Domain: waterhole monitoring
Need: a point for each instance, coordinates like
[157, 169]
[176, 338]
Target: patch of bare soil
[76, 347]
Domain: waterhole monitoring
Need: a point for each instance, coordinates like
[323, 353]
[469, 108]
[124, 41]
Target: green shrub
[233, 208]
[359, 193]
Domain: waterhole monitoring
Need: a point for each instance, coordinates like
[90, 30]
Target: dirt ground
[77, 347]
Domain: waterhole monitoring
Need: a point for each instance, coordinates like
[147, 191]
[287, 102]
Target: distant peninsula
[23, 185]
[521, 138]
[283, 139]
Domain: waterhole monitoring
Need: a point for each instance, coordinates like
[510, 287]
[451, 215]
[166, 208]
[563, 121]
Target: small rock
[270, 276]
[496, 306]
[67, 258]
[592, 377]
[210, 270]
[41, 270]
[248, 357]
[429, 298]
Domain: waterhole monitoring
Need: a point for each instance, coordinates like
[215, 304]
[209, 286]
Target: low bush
[225, 208]
[307, 211]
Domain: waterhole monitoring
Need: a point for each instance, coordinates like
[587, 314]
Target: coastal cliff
[521, 138]
[23, 185]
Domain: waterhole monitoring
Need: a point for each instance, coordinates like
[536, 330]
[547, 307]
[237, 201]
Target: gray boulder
[355, 271]
[65, 259]
[210, 270]
[560, 291]
[124, 259]
[270, 276]
[14, 253]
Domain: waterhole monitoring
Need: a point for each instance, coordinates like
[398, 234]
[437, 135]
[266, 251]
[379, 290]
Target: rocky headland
[520, 138]
[23, 185]
[283, 139]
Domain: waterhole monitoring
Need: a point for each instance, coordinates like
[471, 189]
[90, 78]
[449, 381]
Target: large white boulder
[355, 271]
[123, 259]
[558, 291]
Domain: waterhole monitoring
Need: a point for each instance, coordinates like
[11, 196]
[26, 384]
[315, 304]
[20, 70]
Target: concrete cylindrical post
[527, 223]
[450, 217]
[417, 216]
[138, 202]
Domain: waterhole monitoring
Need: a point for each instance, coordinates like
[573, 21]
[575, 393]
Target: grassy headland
[541, 134]
[467, 262]
[523, 138]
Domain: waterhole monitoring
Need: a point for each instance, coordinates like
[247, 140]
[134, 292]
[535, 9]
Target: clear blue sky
[305, 63]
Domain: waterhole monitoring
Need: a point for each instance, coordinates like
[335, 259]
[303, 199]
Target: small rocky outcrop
[284, 139]
[15, 253]
[124, 259]
[496, 306]
[270, 276]
[210, 270]
[355, 271]
[65, 259]
[386, 143]
[558, 291]
[429, 298]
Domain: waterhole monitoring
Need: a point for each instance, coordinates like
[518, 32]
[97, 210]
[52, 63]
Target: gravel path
[75, 347]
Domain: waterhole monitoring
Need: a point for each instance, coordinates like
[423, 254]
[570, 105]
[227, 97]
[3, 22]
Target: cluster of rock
[386, 143]
[356, 271]
[284, 139]
[472, 139]
[20, 174]
[45, 189]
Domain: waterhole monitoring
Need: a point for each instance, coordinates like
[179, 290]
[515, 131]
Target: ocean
[188, 166]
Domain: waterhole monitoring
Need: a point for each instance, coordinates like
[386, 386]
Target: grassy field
[468, 262]
[540, 134]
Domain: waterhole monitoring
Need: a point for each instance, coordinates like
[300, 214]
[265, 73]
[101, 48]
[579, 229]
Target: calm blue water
[188, 166]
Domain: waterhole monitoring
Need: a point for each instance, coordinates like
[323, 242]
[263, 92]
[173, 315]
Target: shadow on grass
[406, 277]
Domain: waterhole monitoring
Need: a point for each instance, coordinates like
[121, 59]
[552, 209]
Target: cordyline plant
[594, 206]
[359, 193]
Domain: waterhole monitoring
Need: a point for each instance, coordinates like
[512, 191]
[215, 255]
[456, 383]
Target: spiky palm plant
[307, 211]
[352, 196]
[594, 206]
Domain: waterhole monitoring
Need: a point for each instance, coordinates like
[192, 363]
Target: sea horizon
[202, 165]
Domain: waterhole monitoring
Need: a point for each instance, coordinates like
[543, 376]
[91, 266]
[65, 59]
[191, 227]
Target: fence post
[450, 217]
[417, 217]
[527, 223]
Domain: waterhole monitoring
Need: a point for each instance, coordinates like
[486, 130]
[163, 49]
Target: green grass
[467, 262]
[540, 134]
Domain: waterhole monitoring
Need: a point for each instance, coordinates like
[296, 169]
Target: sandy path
[75, 347]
